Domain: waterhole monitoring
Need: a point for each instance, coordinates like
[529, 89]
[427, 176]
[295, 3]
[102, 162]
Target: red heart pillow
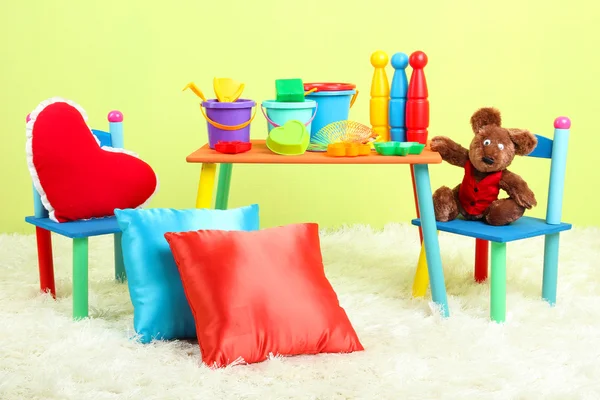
[75, 177]
[258, 293]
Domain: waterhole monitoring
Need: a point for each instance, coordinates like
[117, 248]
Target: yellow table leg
[421, 281]
[421, 275]
[206, 185]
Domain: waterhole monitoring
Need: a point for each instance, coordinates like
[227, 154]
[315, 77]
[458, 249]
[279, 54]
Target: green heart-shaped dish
[291, 139]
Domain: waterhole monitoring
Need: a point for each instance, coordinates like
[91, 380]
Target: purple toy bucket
[228, 121]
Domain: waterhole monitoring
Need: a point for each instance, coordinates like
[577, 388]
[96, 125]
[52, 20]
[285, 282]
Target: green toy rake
[341, 132]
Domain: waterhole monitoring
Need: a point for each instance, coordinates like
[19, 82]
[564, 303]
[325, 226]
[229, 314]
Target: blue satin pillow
[160, 308]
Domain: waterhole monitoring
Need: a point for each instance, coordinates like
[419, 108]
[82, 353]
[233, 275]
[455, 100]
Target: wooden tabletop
[260, 154]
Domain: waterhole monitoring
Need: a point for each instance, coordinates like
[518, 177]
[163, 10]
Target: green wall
[534, 61]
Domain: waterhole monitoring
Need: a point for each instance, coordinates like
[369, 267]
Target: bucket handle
[353, 98]
[277, 125]
[351, 101]
[228, 127]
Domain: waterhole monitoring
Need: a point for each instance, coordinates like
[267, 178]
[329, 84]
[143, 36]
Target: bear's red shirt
[475, 197]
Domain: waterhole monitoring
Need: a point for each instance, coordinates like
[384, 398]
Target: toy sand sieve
[228, 121]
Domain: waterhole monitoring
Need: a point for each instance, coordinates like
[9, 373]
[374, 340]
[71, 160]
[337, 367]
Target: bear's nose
[488, 160]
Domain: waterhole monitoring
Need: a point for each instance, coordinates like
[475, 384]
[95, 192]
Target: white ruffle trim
[29, 151]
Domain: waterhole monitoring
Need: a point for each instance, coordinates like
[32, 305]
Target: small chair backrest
[103, 137]
[112, 138]
[556, 150]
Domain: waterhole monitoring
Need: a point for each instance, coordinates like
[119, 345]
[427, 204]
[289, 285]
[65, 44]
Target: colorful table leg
[412, 177]
[45, 261]
[430, 238]
[498, 283]
[421, 280]
[80, 278]
[206, 185]
[550, 276]
[120, 274]
[223, 185]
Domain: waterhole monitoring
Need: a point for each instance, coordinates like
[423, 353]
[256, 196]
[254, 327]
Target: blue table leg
[430, 238]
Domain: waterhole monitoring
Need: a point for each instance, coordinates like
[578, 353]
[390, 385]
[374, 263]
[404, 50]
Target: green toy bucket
[279, 112]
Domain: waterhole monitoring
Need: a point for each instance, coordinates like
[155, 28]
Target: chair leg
[550, 277]
[120, 274]
[80, 278]
[481, 260]
[45, 260]
[498, 283]
[224, 182]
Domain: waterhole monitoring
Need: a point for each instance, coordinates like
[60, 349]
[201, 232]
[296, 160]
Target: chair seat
[78, 229]
[523, 228]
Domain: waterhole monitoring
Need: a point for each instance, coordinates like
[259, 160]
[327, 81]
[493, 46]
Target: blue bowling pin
[399, 87]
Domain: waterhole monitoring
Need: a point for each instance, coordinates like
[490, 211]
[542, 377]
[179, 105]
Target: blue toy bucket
[334, 100]
[279, 112]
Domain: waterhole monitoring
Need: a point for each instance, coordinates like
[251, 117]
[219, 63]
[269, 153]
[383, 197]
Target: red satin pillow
[259, 293]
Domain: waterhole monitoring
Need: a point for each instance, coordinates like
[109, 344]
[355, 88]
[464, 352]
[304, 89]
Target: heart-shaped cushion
[75, 177]
[290, 139]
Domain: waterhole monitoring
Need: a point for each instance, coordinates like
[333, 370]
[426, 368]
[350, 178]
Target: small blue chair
[79, 231]
[525, 227]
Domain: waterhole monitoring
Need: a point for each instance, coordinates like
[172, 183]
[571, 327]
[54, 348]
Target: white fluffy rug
[540, 353]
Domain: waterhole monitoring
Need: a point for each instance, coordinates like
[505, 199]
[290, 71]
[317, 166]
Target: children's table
[260, 154]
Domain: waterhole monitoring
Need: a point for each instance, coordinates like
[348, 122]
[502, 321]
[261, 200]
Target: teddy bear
[485, 164]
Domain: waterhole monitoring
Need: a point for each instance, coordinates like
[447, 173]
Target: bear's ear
[524, 141]
[485, 116]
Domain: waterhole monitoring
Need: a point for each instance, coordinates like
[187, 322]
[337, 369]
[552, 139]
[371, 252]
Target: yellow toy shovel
[192, 86]
[227, 90]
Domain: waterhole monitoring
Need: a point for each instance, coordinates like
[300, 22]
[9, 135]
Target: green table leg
[120, 274]
[223, 186]
[498, 282]
[80, 278]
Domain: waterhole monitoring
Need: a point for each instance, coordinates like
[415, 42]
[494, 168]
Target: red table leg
[45, 262]
[412, 175]
[481, 260]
